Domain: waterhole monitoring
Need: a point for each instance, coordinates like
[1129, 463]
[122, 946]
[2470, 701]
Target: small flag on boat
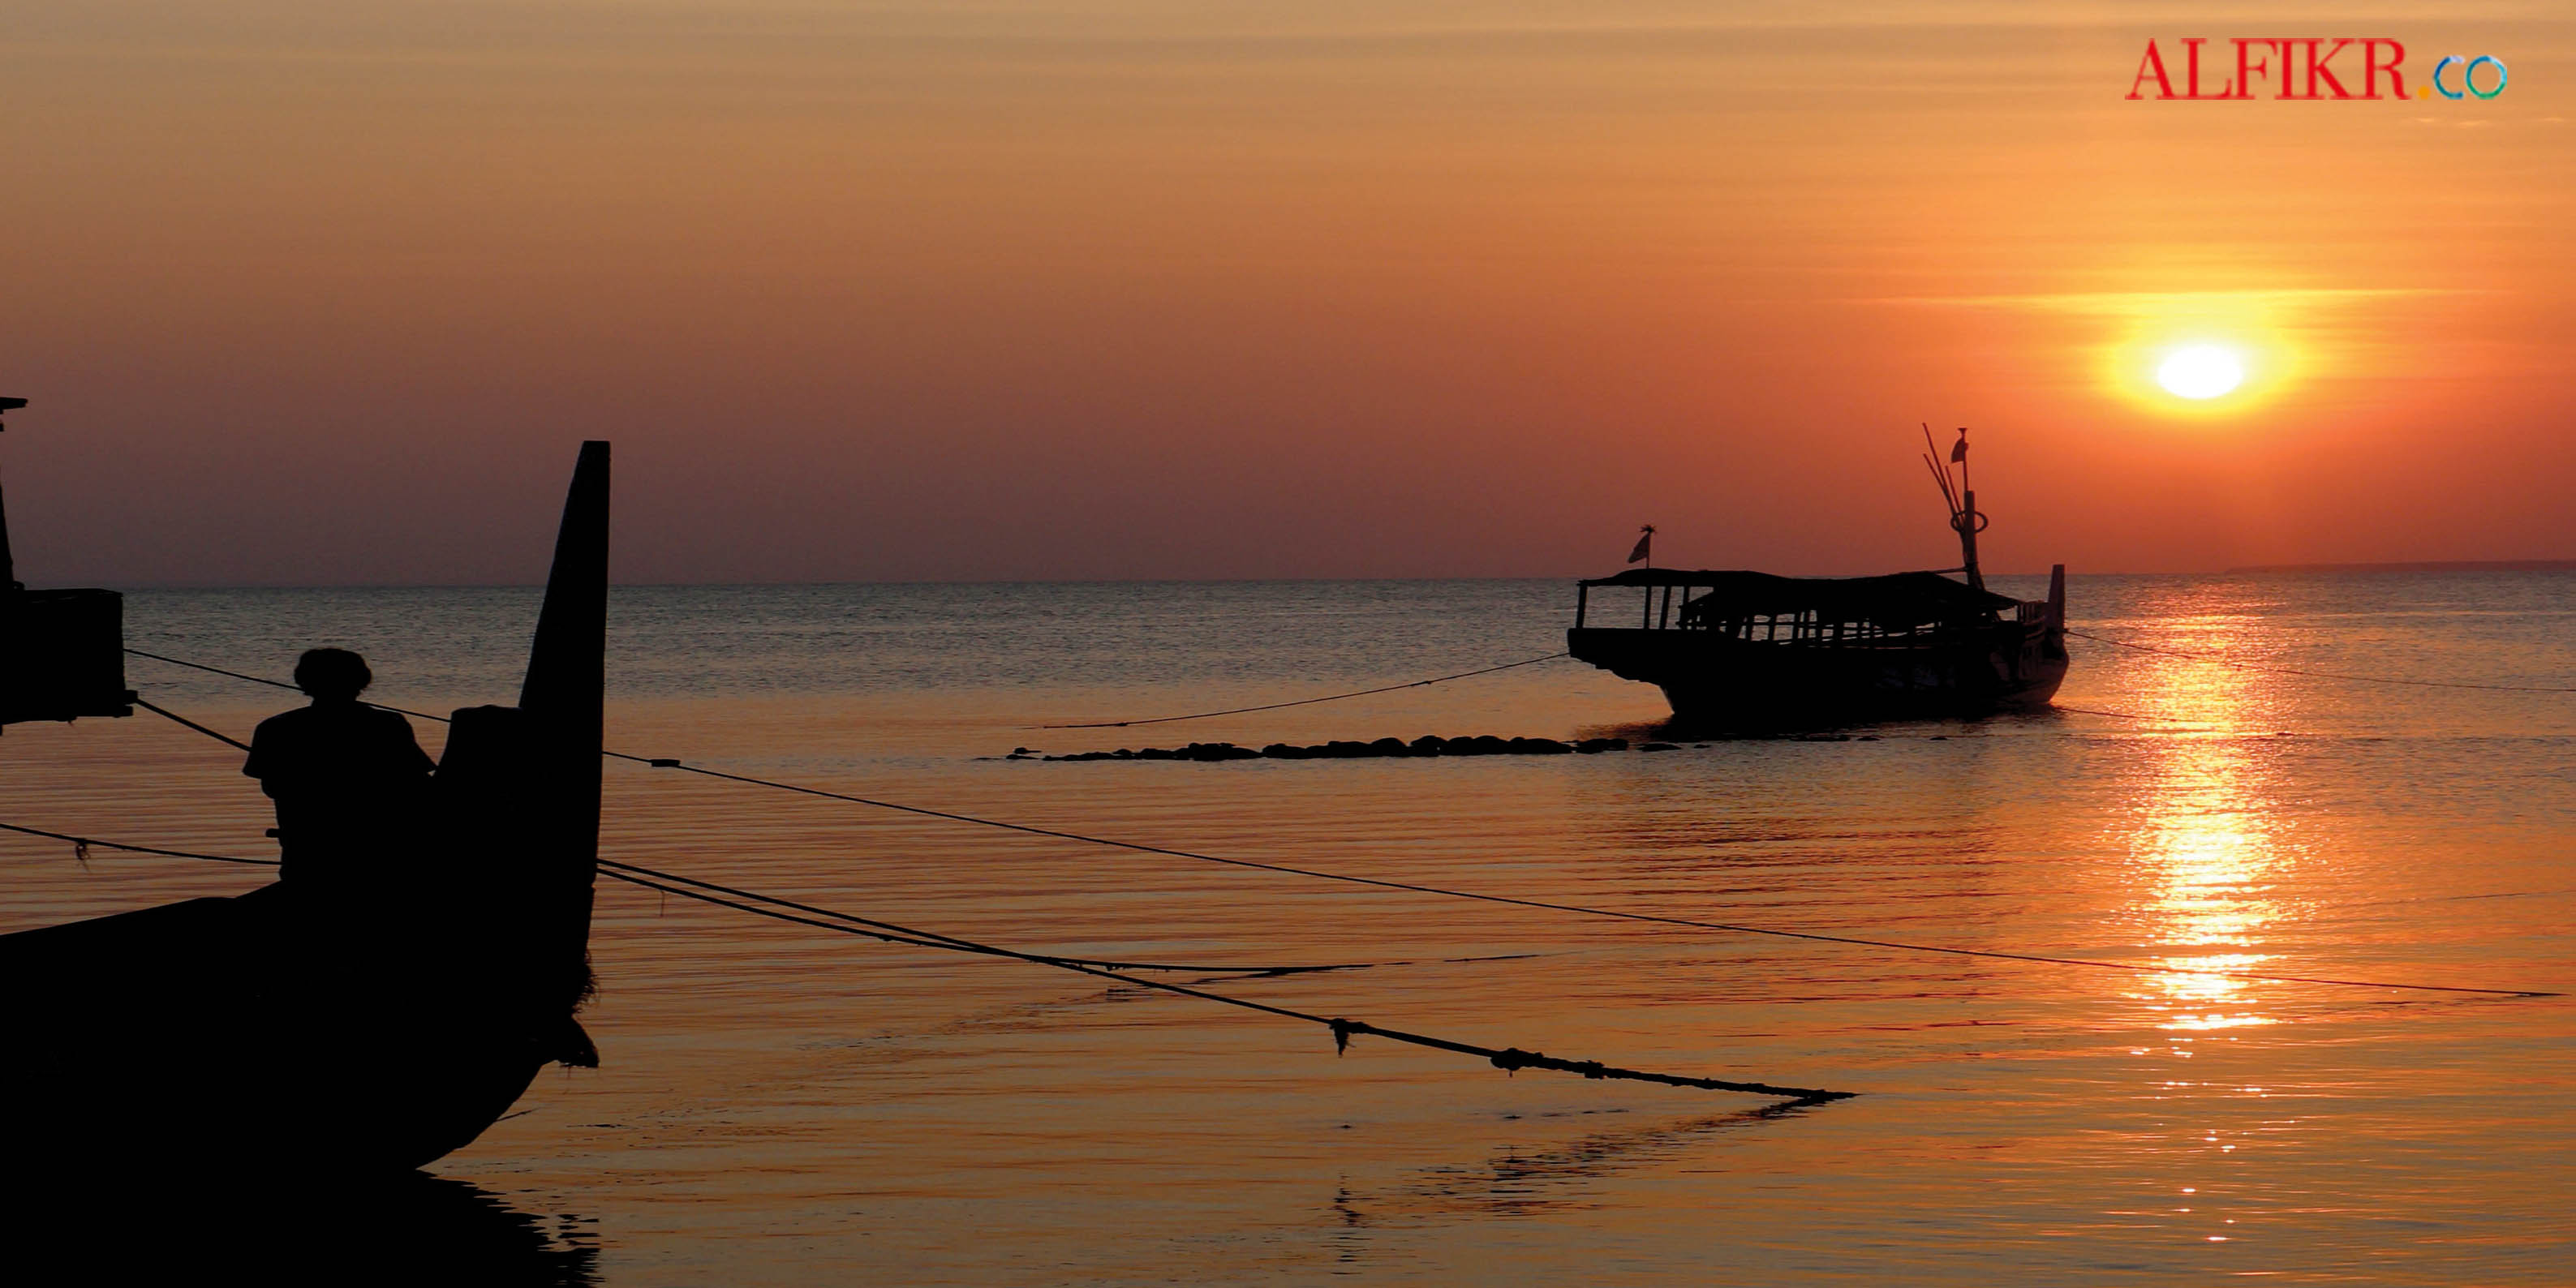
[1645, 543]
[1959, 454]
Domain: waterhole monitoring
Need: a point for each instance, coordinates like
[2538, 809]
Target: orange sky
[321, 293]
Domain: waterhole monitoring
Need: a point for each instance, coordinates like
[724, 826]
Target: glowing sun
[2200, 371]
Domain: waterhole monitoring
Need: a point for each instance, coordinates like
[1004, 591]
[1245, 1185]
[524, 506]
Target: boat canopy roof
[1901, 596]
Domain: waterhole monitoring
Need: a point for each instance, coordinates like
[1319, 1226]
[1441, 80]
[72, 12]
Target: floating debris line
[1398, 748]
[1480, 745]
[1138, 847]
[1507, 1059]
[1307, 702]
[2187, 726]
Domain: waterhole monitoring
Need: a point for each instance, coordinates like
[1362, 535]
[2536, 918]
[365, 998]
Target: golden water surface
[779, 1105]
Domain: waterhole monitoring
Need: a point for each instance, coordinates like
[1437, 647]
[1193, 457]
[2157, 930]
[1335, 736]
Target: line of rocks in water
[1480, 745]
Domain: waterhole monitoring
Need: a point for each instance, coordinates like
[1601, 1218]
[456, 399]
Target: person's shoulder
[284, 722]
[389, 725]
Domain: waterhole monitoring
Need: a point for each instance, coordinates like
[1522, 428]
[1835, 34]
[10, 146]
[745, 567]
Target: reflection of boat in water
[367, 1030]
[389, 1229]
[1753, 649]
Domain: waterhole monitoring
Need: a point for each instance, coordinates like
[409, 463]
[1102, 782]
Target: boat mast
[1967, 520]
[1964, 516]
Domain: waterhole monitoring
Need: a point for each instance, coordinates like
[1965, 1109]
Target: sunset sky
[321, 293]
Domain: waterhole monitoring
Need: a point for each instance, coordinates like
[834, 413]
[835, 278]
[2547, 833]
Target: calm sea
[784, 1106]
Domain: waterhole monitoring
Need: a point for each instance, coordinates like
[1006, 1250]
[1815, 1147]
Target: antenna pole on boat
[1967, 523]
[1967, 520]
[8, 564]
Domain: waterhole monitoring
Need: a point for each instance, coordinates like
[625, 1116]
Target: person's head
[334, 674]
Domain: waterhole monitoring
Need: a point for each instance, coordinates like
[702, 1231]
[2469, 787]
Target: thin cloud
[2164, 303]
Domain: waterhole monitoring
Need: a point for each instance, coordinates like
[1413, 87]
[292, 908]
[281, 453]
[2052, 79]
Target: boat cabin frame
[1760, 608]
[62, 651]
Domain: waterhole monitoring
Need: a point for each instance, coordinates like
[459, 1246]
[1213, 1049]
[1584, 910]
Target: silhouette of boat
[1753, 650]
[60, 650]
[367, 1032]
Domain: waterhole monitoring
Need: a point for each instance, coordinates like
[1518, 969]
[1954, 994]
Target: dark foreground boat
[364, 1030]
[1735, 649]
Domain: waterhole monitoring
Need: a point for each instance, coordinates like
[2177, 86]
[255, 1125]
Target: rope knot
[1513, 1059]
[1342, 1030]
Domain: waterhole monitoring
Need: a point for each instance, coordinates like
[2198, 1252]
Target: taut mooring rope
[2146, 968]
[1228, 968]
[1585, 910]
[85, 842]
[168, 714]
[255, 679]
[1508, 1059]
[1206, 968]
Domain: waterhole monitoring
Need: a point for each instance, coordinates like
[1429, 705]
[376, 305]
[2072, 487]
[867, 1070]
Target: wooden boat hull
[1716, 681]
[371, 1024]
[225, 1033]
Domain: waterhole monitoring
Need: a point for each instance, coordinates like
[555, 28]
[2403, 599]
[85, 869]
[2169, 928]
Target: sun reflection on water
[2207, 847]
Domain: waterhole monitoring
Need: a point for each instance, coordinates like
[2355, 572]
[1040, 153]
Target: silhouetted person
[349, 779]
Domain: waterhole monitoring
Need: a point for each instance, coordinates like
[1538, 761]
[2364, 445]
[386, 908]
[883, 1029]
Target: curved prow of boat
[522, 783]
[564, 694]
[325, 1033]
